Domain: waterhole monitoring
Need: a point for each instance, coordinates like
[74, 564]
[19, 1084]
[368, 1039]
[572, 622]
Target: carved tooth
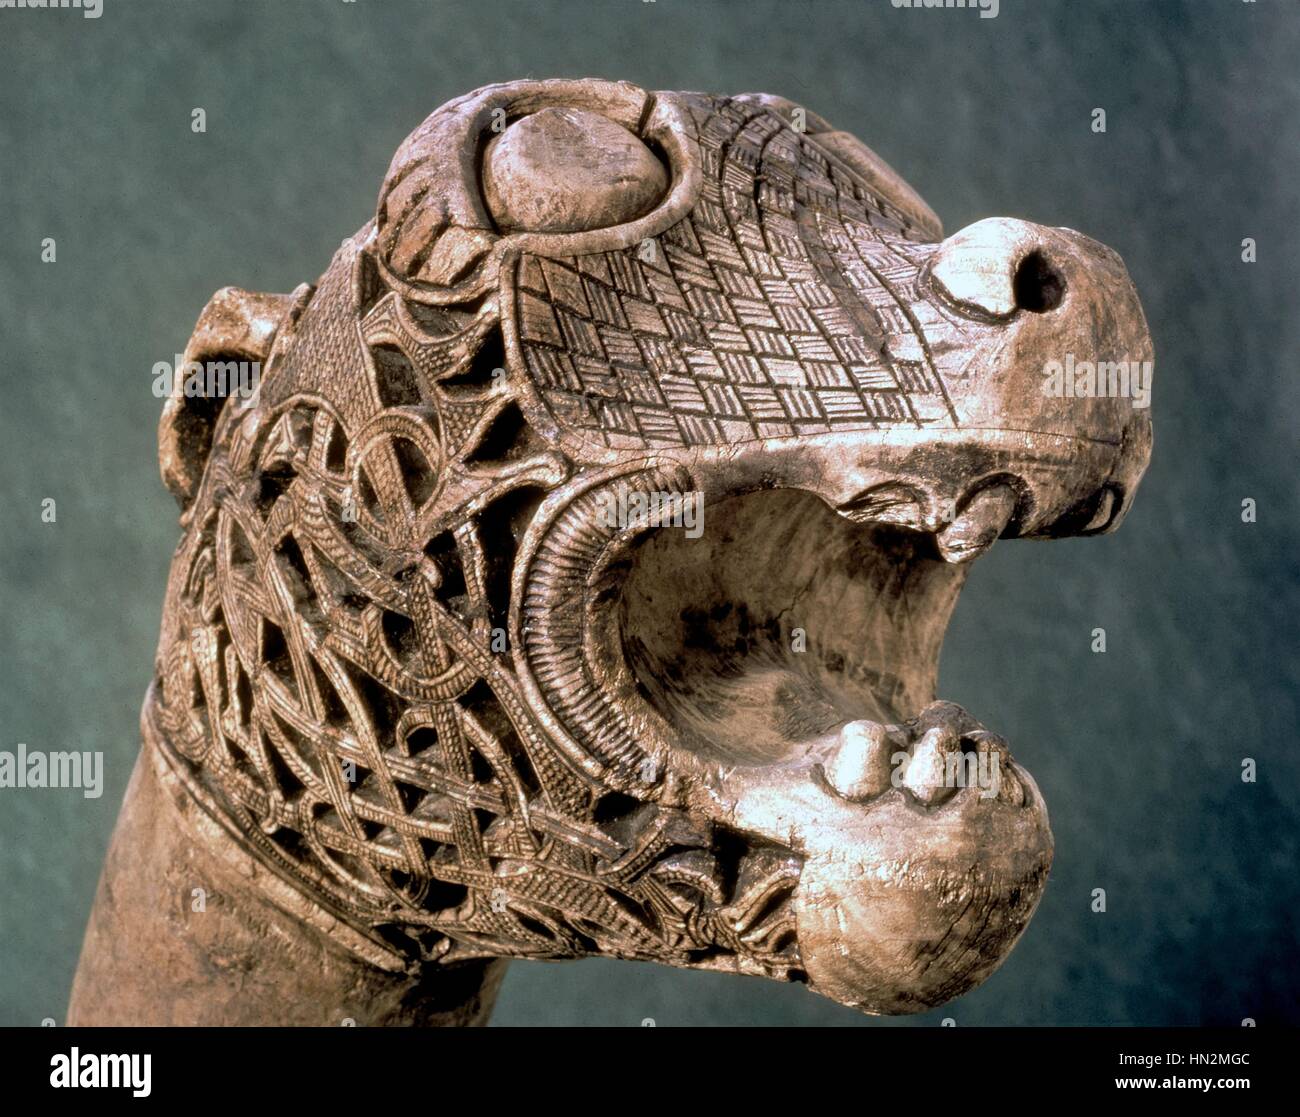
[926, 776]
[1105, 508]
[885, 504]
[1012, 790]
[978, 525]
[994, 761]
[860, 769]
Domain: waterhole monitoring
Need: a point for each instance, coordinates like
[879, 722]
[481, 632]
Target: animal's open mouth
[781, 623]
[785, 634]
[788, 655]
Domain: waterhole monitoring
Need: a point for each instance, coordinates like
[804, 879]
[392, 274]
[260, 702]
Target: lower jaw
[906, 898]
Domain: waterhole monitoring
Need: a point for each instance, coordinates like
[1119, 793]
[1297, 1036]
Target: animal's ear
[236, 325]
[886, 182]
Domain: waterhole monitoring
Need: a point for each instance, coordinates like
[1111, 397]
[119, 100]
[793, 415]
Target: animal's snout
[998, 266]
[1053, 344]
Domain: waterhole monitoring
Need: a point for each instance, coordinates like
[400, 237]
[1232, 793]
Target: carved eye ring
[554, 168]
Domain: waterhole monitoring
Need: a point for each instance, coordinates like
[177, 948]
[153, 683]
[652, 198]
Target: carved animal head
[574, 582]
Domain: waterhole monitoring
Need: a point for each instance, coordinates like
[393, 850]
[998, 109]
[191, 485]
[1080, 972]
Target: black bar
[383, 1067]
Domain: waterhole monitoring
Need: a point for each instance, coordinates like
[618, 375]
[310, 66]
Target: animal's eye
[565, 170]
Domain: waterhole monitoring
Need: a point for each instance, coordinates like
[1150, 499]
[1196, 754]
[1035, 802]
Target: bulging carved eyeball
[564, 170]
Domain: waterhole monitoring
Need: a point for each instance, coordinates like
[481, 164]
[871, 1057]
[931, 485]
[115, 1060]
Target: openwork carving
[415, 667]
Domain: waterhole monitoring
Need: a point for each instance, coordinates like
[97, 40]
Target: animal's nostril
[1000, 266]
[1037, 285]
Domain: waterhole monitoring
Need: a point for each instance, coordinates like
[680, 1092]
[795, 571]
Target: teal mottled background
[1138, 750]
